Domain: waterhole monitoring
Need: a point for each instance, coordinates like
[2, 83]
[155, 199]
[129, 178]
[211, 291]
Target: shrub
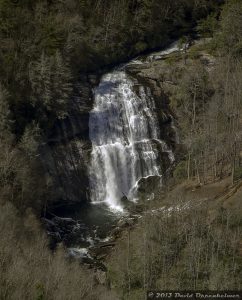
[180, 171]
[238, 173]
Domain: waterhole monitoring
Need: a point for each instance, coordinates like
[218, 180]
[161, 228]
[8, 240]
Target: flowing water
[125, 138]
[126, 147]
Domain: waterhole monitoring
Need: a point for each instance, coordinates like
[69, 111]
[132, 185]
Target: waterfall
[124, 132]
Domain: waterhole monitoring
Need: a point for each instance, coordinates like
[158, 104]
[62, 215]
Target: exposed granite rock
[101, 250]
[148, 77]
[161, 77]
[66, 154]
[125, 222]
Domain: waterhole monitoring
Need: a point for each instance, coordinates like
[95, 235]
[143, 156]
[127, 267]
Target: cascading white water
[124, 132]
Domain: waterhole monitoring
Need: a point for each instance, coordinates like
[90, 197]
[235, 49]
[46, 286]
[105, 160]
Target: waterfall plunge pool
[125, 136]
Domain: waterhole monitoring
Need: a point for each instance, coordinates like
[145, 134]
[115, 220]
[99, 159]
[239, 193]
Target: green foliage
[140, 46]
[207, 97]
[179, 250]
[29, 142]
[182, 41]
[58, 40]
[238, 173]
[231, 31]
[50, 79]
[193, 54]
[207, 27]
[180, 171]
[44, 46]
[40, 291]
[5, 115]
[193, 83]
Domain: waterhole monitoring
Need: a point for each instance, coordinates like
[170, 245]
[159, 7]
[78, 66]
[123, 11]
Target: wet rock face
[150, 79]
[66, 168]
[66, 154]
[60, 229]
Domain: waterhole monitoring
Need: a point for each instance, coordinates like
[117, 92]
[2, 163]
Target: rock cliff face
[148, 77]
[159, 73]
[66, 154]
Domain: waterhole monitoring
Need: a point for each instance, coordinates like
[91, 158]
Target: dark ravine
[120, 162]
[88, 240]
[72, 220]
[66, 154]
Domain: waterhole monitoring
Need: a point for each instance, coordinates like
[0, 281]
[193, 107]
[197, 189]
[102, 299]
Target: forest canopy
[47, 47]
[78, 36]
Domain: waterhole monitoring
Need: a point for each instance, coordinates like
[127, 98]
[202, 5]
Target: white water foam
[124, 131]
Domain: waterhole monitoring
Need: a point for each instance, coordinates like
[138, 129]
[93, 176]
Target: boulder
[116, 232]
[101, 250]
[125, 222]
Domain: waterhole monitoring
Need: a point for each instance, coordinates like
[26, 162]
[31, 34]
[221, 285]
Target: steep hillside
[188, 239]
[185, 234]
[47, 51]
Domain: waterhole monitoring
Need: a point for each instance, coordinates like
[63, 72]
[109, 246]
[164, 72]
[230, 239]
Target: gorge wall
[67, 154]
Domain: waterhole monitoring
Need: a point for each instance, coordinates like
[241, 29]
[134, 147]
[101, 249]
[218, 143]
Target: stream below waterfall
[126, 142]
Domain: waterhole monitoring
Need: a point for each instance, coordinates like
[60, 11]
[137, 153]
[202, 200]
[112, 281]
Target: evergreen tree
[231, 30]
[61, 84]
[5, 116]
[40, 79]
[29, 142]
[50, 79]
